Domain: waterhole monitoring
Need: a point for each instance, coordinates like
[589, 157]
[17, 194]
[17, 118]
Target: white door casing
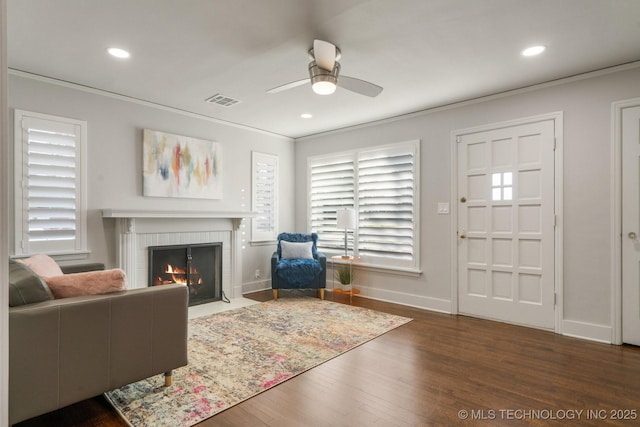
[505, 223]
[630, 139]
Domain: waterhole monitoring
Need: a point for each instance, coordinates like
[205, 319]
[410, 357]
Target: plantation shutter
[265, 185]
[386, 210]
[48, 202]
[332, 184]
[382, 186]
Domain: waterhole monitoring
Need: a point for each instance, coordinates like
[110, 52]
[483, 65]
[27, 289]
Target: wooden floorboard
[429, 372]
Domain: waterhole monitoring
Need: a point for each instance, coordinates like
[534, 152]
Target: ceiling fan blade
[288, 86]
[359, 86]
[324, 54]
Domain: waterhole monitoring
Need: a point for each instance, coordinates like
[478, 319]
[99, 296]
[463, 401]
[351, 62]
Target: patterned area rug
[239, 353]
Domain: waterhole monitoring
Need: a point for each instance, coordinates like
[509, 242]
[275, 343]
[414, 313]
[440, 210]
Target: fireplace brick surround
[136, 231]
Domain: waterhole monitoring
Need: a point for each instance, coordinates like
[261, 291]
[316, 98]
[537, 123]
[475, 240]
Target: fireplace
[198, 266]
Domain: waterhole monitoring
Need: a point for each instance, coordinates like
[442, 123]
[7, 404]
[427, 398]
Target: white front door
[506, 224]
[631, 225]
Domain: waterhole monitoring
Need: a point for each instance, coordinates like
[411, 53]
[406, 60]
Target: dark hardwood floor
[436, 370]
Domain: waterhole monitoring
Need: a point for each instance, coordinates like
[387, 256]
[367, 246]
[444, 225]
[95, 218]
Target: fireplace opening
[197, 266]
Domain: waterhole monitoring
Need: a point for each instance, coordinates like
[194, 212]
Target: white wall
[115, 160]
[586, 104]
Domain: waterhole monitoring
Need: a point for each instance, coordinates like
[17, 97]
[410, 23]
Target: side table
[346, 260]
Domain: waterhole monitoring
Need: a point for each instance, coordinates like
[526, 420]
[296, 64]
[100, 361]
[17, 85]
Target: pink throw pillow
[87, 283]
[43, 265]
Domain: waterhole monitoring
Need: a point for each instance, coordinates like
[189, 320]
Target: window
[264, 227]
[502, 186]
[381, 185]
[50, 204]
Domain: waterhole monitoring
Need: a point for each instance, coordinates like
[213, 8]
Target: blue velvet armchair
[297, 264]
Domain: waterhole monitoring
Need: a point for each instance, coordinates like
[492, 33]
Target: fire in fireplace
[198, 266]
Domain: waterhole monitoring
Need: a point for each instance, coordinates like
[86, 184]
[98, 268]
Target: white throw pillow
[296, 249]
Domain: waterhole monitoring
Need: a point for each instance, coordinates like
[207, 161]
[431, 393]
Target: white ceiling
[425, 53]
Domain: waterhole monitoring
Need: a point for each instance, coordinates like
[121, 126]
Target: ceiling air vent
[223, 100]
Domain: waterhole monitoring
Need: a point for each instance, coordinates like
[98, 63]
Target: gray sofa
[62, 351]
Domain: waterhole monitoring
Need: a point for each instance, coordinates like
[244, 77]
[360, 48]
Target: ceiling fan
[324, 74]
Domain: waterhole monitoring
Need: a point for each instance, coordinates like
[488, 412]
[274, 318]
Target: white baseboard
[418, 301]
[587, 331]
[258, 285]
[410, 300]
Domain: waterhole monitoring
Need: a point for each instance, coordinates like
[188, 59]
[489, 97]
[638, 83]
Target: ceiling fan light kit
[323, 82]
[324, 70]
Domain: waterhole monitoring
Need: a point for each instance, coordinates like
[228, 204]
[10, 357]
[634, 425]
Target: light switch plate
[443, 208]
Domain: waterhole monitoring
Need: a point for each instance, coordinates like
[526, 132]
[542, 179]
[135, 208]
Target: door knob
[632, 235]
[463, 199]
[462, 235]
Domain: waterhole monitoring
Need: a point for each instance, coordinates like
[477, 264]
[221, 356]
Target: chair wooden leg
[275, 294]
[321, 293]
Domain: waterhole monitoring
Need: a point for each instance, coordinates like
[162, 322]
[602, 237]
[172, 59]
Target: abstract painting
[180, 166]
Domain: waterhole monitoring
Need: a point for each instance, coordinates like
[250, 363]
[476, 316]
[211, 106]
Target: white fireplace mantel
[235, 216]
[133, 225]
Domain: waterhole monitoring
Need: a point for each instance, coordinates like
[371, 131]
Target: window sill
[398, 271]
[263, 242]
[60, 256]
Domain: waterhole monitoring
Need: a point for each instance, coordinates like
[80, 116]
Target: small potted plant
[344, 275]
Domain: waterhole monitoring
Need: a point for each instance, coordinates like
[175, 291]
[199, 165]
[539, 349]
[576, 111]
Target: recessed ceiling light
[306, 115]
[118, 53]
[534, 50]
